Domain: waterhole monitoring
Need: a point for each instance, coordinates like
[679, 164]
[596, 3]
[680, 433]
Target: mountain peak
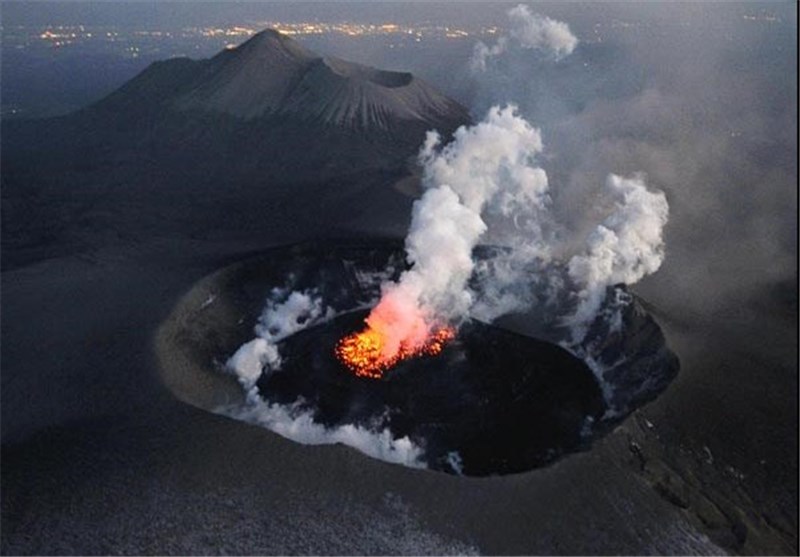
[270, 41]
[272, 75]
[268, 35]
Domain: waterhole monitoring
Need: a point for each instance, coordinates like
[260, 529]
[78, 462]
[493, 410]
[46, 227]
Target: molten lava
[364, 353]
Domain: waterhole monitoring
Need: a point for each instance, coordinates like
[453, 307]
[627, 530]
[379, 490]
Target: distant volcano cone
[272, 75]
[264, 115]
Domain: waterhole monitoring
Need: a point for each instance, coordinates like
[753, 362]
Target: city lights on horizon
[64, 35]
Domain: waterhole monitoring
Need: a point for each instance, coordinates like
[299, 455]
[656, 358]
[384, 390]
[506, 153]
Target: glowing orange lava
[364, 352]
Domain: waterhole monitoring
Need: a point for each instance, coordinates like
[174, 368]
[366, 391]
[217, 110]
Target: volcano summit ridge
[273, 75]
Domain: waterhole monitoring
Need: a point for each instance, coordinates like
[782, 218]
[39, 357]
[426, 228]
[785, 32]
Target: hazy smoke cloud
[484, 184]
[558, 246]
[527, 31]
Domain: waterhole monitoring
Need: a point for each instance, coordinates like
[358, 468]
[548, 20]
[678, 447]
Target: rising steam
[627, 246]
[486, 168]
[486, 185]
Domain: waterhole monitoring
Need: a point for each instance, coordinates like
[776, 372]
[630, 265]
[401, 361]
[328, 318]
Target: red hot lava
[363, 352]
[395, 331]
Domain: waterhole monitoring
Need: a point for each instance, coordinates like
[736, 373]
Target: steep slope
[251, 80]
[337, 92]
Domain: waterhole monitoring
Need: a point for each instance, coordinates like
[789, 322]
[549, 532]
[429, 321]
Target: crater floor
[492, 402]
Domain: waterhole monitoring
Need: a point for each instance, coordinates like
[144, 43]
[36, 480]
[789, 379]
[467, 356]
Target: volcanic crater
[493, 401]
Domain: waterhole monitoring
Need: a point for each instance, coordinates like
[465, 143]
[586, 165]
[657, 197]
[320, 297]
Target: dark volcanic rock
[637, 363]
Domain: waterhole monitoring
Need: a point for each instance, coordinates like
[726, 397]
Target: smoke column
[626, 247]
[489, 167]
[486, 186]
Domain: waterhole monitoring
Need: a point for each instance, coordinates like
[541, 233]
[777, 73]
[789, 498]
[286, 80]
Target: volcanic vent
[492, 401]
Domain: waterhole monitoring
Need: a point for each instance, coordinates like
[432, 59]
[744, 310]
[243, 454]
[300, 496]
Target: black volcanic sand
[503, 402]
[98, 457]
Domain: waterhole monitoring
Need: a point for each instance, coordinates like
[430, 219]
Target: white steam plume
[285, 314]
[485, 186]
[528, 31]
[488, 168]
[623, 249]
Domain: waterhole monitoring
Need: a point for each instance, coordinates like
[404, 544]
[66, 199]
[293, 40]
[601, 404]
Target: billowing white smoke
[285, 314]
[627, 246]
[486, 186]
[528, 31]
[487, 168]
[443, 233]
